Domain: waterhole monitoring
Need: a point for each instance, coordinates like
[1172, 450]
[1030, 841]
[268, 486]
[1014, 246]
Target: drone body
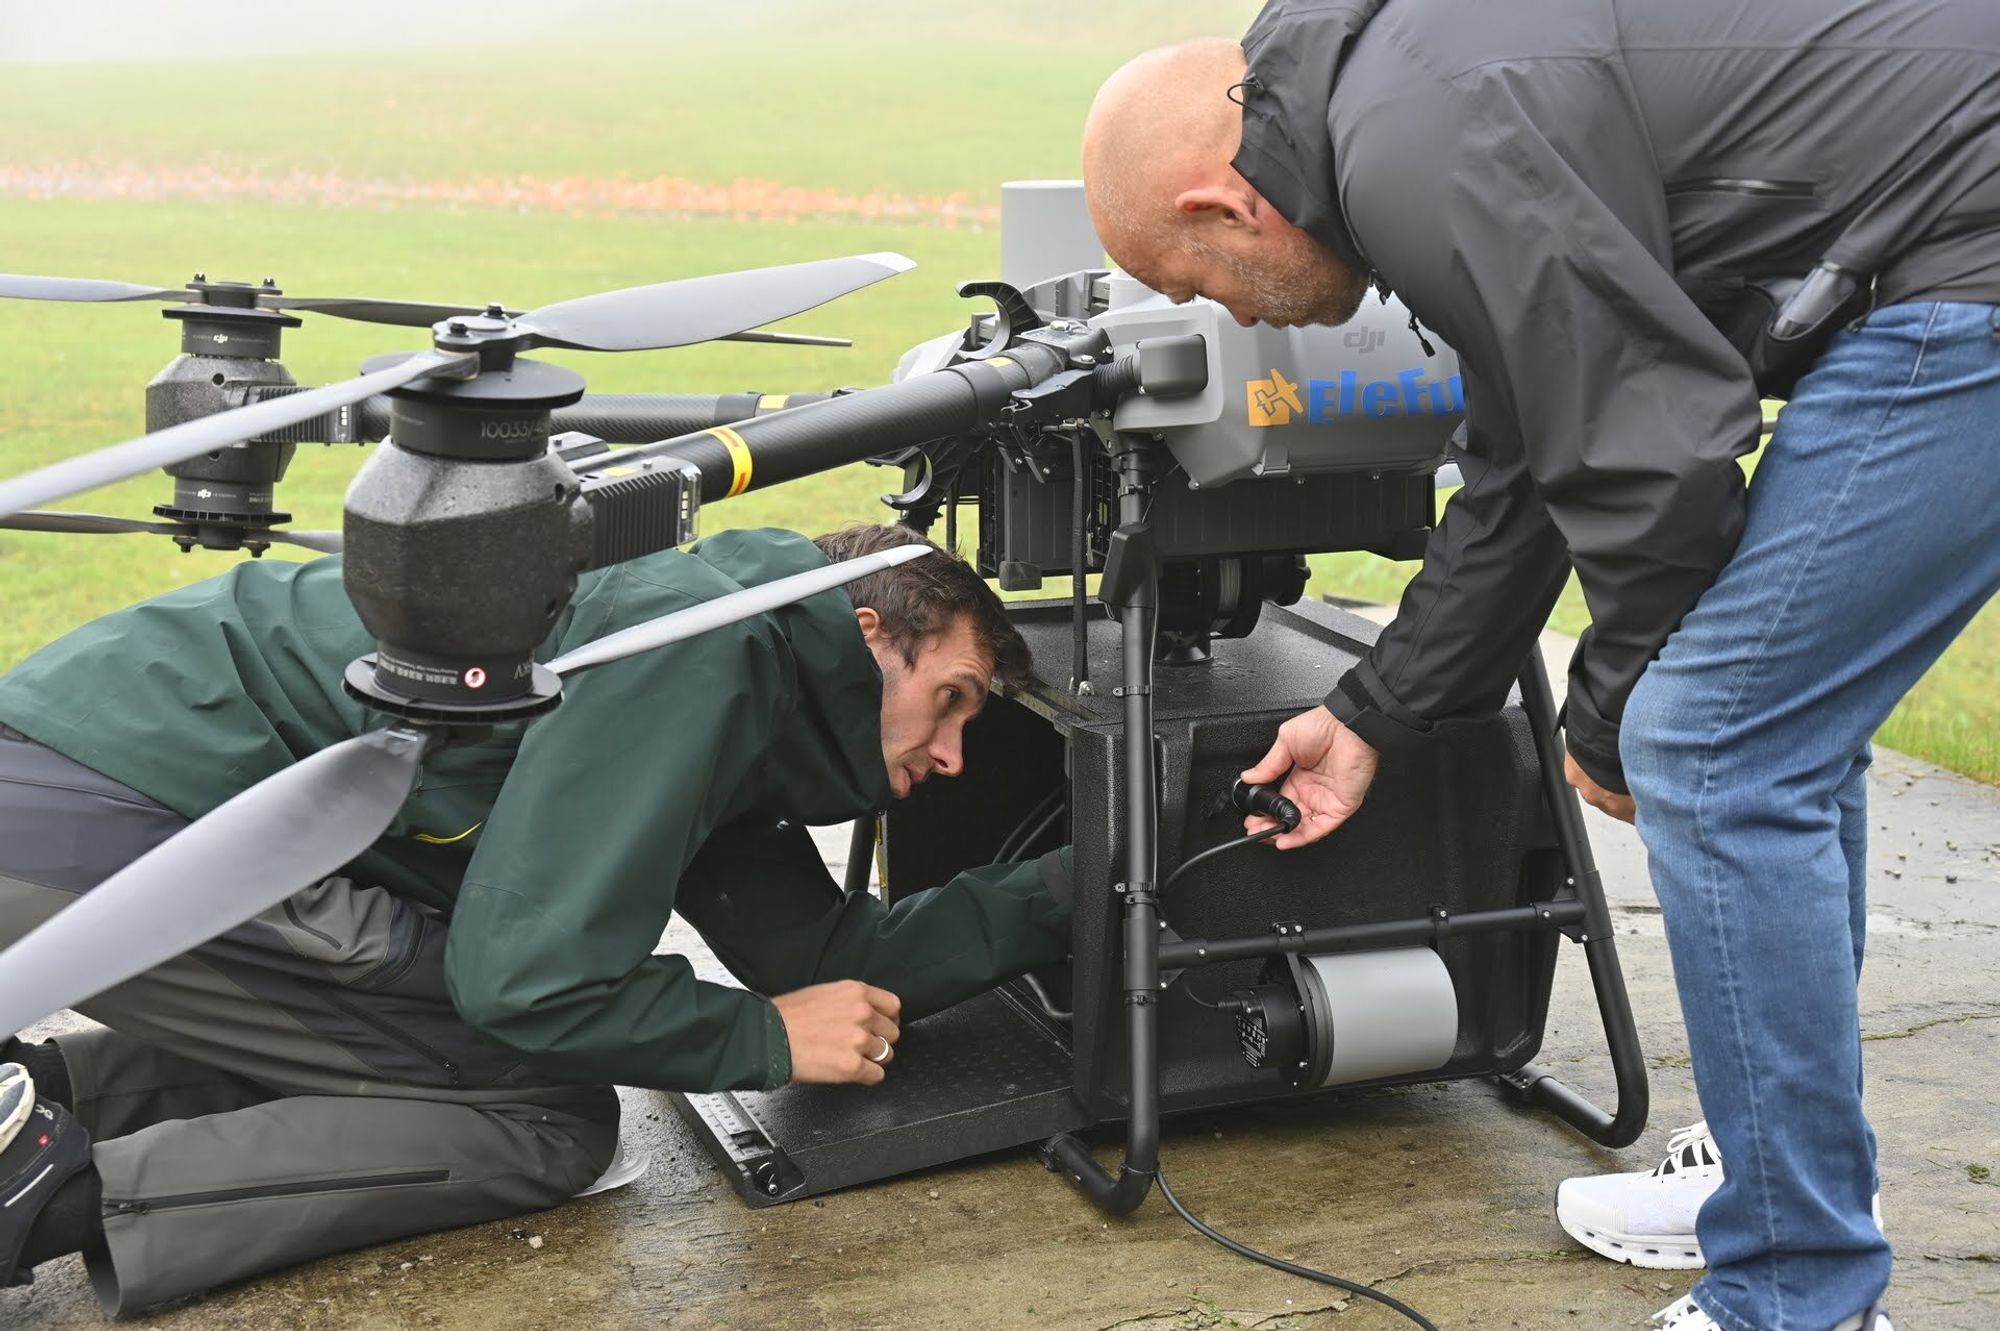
[1098, 429]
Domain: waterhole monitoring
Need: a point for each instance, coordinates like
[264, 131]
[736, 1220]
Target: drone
[1095, 429]
[231, 335]
[471, 481]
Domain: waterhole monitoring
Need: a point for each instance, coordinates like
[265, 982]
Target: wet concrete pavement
[1441, 1195]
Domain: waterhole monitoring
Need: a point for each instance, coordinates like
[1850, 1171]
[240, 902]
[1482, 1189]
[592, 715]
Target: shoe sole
[1653, 1252]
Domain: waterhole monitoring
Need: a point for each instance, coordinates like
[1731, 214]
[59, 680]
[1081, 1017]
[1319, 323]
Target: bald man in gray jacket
[1631, 221]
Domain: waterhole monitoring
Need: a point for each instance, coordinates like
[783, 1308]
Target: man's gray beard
[1304, 284]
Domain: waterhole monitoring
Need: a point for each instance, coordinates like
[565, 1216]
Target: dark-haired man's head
[940, 636]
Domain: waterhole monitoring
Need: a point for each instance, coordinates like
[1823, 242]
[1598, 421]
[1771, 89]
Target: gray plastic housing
[1364, 396]
[1361, 397]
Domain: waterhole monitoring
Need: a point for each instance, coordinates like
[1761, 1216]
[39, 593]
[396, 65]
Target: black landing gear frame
[1579, 912]
[1483, 845]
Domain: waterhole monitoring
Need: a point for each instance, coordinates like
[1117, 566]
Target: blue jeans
[1873, 537]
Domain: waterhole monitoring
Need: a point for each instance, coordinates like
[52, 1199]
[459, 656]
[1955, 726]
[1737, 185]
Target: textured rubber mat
[983, 1076]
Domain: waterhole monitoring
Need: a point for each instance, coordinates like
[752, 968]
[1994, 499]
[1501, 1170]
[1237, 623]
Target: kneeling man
[430, 1038]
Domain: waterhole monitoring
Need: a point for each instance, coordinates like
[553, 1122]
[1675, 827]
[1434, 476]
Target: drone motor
[229, 344]
[1334, 1020]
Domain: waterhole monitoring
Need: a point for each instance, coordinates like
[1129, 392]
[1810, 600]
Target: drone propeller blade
[789, 339]
[728, 609]
[95, 524]
[190, 439]
[402, 313]
[703, 309]
[27, 287]
[326, 542]
[280, 835]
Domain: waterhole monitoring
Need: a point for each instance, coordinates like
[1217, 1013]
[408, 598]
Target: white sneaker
[1647, 1217]
[1682, 1315]
[17, 1098]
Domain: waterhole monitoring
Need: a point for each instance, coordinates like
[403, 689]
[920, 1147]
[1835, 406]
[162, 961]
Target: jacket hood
[1295, 50]
[827, 764]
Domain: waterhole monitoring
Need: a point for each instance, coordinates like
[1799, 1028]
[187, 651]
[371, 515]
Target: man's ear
[1231, 205]
[871, 623]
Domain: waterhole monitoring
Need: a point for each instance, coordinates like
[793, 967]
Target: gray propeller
[178, 443]
[298, 826]
[99, 524]
[398, 313]
[366, 309]
[200, 882]
[666, 314]
[703, 309]
[404, 313]
[698, 619]
[789, 339]
[23, 286]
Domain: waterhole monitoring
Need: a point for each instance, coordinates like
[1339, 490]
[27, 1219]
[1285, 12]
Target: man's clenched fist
[840, 1032]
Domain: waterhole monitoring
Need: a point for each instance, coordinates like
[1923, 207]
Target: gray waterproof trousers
[299, 1086]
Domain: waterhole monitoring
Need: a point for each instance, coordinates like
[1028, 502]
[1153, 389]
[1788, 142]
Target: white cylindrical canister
[1383, 1013]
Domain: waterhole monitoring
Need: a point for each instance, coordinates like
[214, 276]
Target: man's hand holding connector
[1331, 768]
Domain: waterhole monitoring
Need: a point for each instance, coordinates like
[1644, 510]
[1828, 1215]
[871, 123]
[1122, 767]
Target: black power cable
[1189, 863]
[1246, 840]
[1289, 1268]
[1266, 801]
[1033, 825]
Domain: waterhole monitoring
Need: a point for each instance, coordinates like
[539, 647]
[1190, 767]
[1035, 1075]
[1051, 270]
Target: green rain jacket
[676, 780]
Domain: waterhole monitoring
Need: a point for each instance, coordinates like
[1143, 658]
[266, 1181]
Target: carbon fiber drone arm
[790, 444]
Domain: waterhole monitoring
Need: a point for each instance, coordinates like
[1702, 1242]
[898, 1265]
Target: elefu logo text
[1412, 392]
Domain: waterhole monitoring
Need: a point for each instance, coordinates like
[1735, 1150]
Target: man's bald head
[1172, 210]
[1160, 125]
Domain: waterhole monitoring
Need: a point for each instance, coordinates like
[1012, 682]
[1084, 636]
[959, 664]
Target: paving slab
[1441, 1195]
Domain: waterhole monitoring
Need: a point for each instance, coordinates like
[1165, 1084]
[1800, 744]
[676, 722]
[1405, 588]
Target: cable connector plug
[1267, 801]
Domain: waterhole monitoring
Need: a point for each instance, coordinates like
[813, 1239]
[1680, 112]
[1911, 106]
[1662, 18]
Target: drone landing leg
[1530, 1083]
[1131, 581]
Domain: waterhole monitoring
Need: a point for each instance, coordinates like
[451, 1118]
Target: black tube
[1138, 616]
[1079, 507]
[1607, 978]
[1416, 932]
[782, 447]
[860, 854]
[636, 418]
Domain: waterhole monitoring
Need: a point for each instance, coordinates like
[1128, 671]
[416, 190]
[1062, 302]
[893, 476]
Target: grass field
[880, 101]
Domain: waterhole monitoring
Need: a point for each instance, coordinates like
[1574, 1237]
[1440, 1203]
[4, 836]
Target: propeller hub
[229, 295]
[502, 415]
[497, 338]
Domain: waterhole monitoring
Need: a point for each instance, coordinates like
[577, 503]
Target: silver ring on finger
[882, 1057]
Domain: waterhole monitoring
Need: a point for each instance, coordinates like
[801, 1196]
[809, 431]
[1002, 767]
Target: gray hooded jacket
[1573, 193]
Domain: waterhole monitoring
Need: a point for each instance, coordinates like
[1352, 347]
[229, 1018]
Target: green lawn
[888, 97]
[1952, 716]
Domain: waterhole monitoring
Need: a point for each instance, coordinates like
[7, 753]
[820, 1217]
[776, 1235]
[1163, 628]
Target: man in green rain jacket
[429, 1039]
